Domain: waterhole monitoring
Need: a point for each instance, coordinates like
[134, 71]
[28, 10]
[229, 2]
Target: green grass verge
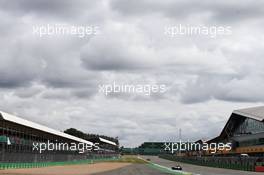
[129, 159]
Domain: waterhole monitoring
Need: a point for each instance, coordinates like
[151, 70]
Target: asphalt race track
[134, 169]
[141, 169]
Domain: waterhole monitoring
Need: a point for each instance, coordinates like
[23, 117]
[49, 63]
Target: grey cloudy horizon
[54, 80]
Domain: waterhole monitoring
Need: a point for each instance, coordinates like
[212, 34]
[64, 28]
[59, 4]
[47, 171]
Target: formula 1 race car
[177, 167]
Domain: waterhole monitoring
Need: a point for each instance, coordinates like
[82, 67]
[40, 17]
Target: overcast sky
[53, 80]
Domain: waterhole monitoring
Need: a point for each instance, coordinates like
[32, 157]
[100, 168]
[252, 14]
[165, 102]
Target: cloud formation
[55, 80]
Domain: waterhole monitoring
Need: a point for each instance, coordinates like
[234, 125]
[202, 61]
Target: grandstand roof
[107, 141]
[14, 119]
[256, 113]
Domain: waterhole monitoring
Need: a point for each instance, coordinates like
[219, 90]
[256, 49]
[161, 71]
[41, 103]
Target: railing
[245, 164]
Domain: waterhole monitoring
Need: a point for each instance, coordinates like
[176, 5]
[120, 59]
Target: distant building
[151, 148]
[245, 130]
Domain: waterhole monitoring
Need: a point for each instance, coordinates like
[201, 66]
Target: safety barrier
[227, 163]
[46, 164]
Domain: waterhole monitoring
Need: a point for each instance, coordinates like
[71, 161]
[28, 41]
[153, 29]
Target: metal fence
[237, 163]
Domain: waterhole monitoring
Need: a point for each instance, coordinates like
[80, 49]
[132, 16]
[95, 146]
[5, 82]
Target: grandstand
[245, 130]
[17, 136]
[147, 148]
[107, 145]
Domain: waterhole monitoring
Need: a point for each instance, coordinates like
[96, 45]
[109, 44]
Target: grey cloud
[54, 80]
[11, 81]
[204, 88]
[57, 94]
[227, 88]
[224, 11]
[112, 55]
[28, 92]
[62, 80]
[85, 93]
[136, 96]
[19, 67]
[53, 9]
[64, 93]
